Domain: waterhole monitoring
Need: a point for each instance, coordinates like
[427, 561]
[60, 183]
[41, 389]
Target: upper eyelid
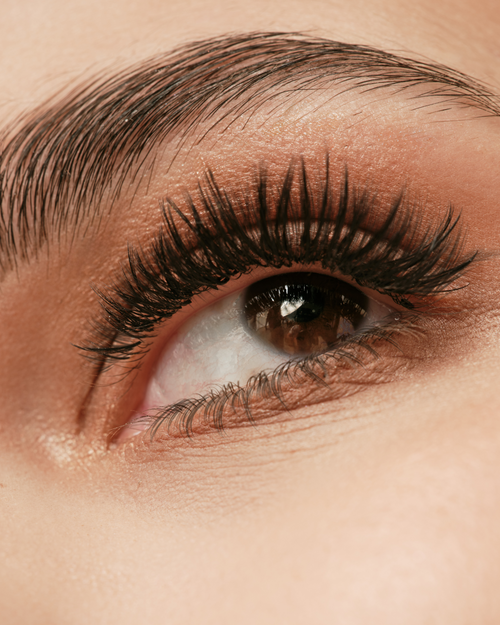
[60, 159]
[163, 277]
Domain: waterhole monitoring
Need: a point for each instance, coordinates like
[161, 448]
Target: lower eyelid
[272, 395]
[275, 399]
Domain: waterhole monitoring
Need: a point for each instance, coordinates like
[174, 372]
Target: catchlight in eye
[304, 313]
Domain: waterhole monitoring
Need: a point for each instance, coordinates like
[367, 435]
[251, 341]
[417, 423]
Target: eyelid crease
[293, 222]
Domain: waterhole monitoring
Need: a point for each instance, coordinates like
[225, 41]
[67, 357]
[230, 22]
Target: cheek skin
[380, 507]
[378, 518]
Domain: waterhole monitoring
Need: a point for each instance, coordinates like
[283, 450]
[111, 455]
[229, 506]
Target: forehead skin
[94, 34]
[398, 525]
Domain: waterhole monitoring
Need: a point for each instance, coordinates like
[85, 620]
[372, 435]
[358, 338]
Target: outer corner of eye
[221, 354]
[137, 425]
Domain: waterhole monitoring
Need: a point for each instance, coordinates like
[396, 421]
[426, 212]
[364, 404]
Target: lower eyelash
[209, 411]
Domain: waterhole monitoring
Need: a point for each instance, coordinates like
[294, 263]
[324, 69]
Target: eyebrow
[59, 160]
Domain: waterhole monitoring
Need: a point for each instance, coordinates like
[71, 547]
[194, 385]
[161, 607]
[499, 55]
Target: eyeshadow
[274, 225]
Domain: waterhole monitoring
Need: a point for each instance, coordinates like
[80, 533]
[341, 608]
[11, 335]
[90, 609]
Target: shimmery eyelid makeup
[217, 234]
[291, 222]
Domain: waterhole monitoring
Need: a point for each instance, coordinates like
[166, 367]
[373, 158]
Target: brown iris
[304, 313]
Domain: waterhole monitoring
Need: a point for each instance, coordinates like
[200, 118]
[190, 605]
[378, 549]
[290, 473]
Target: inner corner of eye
[286, 317]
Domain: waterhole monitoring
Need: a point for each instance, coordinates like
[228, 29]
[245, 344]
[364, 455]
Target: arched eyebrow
[59, 160]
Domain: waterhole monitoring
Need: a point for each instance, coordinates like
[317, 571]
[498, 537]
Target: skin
[377, 506]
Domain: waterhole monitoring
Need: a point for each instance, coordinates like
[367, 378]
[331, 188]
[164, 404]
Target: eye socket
[304, 313]
[251, 333]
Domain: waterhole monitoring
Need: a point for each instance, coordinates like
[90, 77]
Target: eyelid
[286, 224]
[340, 372]
[290, 222]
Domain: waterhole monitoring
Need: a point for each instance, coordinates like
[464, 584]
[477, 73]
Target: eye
[280, 333]
[274, 321]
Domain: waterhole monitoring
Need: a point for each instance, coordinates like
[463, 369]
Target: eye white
[213, 348]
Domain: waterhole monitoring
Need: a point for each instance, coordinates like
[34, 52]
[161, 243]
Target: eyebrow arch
[58, 160]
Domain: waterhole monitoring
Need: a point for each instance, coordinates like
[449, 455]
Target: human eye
[246, 344]
[253, 301]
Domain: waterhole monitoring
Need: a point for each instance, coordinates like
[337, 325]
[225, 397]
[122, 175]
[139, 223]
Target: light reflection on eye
[288, 316]
[304, 313]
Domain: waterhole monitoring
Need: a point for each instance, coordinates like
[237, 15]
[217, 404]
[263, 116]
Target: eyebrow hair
[59, 160]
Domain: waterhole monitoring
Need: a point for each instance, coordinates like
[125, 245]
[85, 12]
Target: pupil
[303, 313]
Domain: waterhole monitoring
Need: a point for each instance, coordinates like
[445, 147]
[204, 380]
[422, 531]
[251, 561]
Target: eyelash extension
[218, 235]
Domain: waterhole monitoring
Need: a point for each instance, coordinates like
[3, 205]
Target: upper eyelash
[291, 223]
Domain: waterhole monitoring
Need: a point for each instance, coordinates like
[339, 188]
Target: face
[250, 312]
